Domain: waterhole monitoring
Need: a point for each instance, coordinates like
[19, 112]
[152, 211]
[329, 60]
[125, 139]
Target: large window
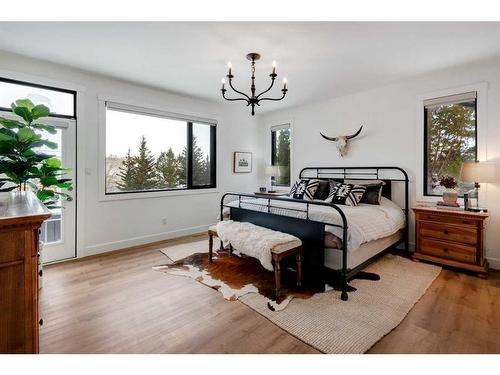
[450, 131]
[280, 153]
[152, 151]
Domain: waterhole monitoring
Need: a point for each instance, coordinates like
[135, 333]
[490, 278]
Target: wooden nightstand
[449, 237]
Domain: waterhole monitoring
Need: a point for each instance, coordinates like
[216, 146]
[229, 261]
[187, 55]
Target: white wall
[389, 134]
[109, 225]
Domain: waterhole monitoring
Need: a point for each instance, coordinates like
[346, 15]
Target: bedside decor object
[262, 189]
[450, 195]
[342, 141]
[477, 172]
[272, 171]
[451, 237]
[252, 99]
[242, 162]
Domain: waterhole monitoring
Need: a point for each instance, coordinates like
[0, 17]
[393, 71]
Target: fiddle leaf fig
[39, 111]
[22, 164]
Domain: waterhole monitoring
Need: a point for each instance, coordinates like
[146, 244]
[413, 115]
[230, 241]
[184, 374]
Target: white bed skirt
[333, 257]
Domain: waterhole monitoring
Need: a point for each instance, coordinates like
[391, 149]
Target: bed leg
[210, 247]
[343, 295]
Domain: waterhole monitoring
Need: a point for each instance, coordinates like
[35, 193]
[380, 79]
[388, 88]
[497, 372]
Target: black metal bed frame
[312, 232]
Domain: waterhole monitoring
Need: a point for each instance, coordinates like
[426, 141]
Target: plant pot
[450, 196]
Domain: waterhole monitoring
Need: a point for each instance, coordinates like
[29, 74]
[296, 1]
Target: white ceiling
[319, 59]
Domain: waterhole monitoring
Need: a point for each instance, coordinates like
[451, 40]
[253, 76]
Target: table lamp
[272, 171]
[477, 172]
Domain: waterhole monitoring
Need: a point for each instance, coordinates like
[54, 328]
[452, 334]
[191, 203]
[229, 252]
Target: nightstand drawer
[448, 250]
[446, 219]
[464, 234]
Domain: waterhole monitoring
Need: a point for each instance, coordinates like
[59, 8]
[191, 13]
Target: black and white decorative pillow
[346, 194]
[304, 189]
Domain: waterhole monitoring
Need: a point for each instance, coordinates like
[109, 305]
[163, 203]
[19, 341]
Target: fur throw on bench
[254, 241]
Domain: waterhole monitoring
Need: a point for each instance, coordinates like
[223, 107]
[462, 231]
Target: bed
[339, 241]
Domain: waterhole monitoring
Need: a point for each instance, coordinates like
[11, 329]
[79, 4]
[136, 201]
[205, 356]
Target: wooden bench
[278, 253]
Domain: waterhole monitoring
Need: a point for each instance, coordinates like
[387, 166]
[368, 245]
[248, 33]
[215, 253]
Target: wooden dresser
[21, 215]
[449, 237]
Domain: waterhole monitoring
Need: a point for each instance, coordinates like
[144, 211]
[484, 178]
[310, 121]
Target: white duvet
[365, 222]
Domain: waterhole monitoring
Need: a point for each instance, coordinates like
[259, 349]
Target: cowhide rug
[236, 275]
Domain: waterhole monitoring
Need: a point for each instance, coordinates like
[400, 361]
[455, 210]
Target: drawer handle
[40, 322]
[445, 249]
[446, 232]
[40, 273]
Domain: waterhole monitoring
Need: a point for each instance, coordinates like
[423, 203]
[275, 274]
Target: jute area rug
[320, 319]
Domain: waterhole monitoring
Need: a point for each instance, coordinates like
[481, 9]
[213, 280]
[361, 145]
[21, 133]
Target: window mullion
[189, 155]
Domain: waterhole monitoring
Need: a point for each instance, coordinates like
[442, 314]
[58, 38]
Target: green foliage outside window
[281, 157]
[451, 140]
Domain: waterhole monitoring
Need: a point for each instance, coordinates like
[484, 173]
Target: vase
[450, 196]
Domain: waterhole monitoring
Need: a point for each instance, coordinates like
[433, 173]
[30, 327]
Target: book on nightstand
[448, 206]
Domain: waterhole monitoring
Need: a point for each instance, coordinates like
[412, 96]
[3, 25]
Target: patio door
[58, 232]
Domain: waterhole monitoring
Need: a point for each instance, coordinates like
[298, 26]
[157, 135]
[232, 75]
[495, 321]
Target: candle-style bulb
[284, 82]
[229, 66]
[223, 80]
[274, 66]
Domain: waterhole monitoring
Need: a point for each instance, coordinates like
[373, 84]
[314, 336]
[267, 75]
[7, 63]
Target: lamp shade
[487, 172]
[273, 171]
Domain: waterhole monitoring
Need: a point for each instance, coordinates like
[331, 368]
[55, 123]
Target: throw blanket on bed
[252, 240]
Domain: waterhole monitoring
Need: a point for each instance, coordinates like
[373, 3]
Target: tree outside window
[450, 130]
[281, 154]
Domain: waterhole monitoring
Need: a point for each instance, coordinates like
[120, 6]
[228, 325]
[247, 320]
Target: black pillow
[323, 190]
[373, 194]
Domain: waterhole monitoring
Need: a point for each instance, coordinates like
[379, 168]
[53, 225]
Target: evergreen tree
[182, 168]
[127, 173]
[145, 172]
[282, 157]
[167, 167]
[200, 166]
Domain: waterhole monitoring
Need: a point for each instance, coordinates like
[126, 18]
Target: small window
[151, 151]
[61, 102]
[280, 153]
[450, 129]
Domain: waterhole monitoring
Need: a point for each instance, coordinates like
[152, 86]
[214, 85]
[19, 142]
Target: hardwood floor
[115, 303]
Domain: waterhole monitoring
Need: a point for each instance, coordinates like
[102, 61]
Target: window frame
[424, 187]
[481, 90]
[149, 110]
[45, 87]
[273, 129]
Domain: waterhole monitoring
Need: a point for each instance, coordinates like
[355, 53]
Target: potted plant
[450, 195]
[23, 165]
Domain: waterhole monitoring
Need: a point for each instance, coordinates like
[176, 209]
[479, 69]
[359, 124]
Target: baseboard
[142, 240]
[494, 263]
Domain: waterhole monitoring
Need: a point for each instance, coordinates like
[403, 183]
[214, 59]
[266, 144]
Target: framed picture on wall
[242, 162]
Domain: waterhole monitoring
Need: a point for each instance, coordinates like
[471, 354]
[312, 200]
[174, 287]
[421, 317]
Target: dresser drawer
[463, 234]
[447, 219]
[448, 250]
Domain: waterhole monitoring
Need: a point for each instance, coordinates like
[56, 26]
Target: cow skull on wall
[342, 141]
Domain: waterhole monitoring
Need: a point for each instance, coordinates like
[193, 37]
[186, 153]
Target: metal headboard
[388, 174]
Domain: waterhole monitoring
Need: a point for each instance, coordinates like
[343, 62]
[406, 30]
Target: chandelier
[252, 99]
